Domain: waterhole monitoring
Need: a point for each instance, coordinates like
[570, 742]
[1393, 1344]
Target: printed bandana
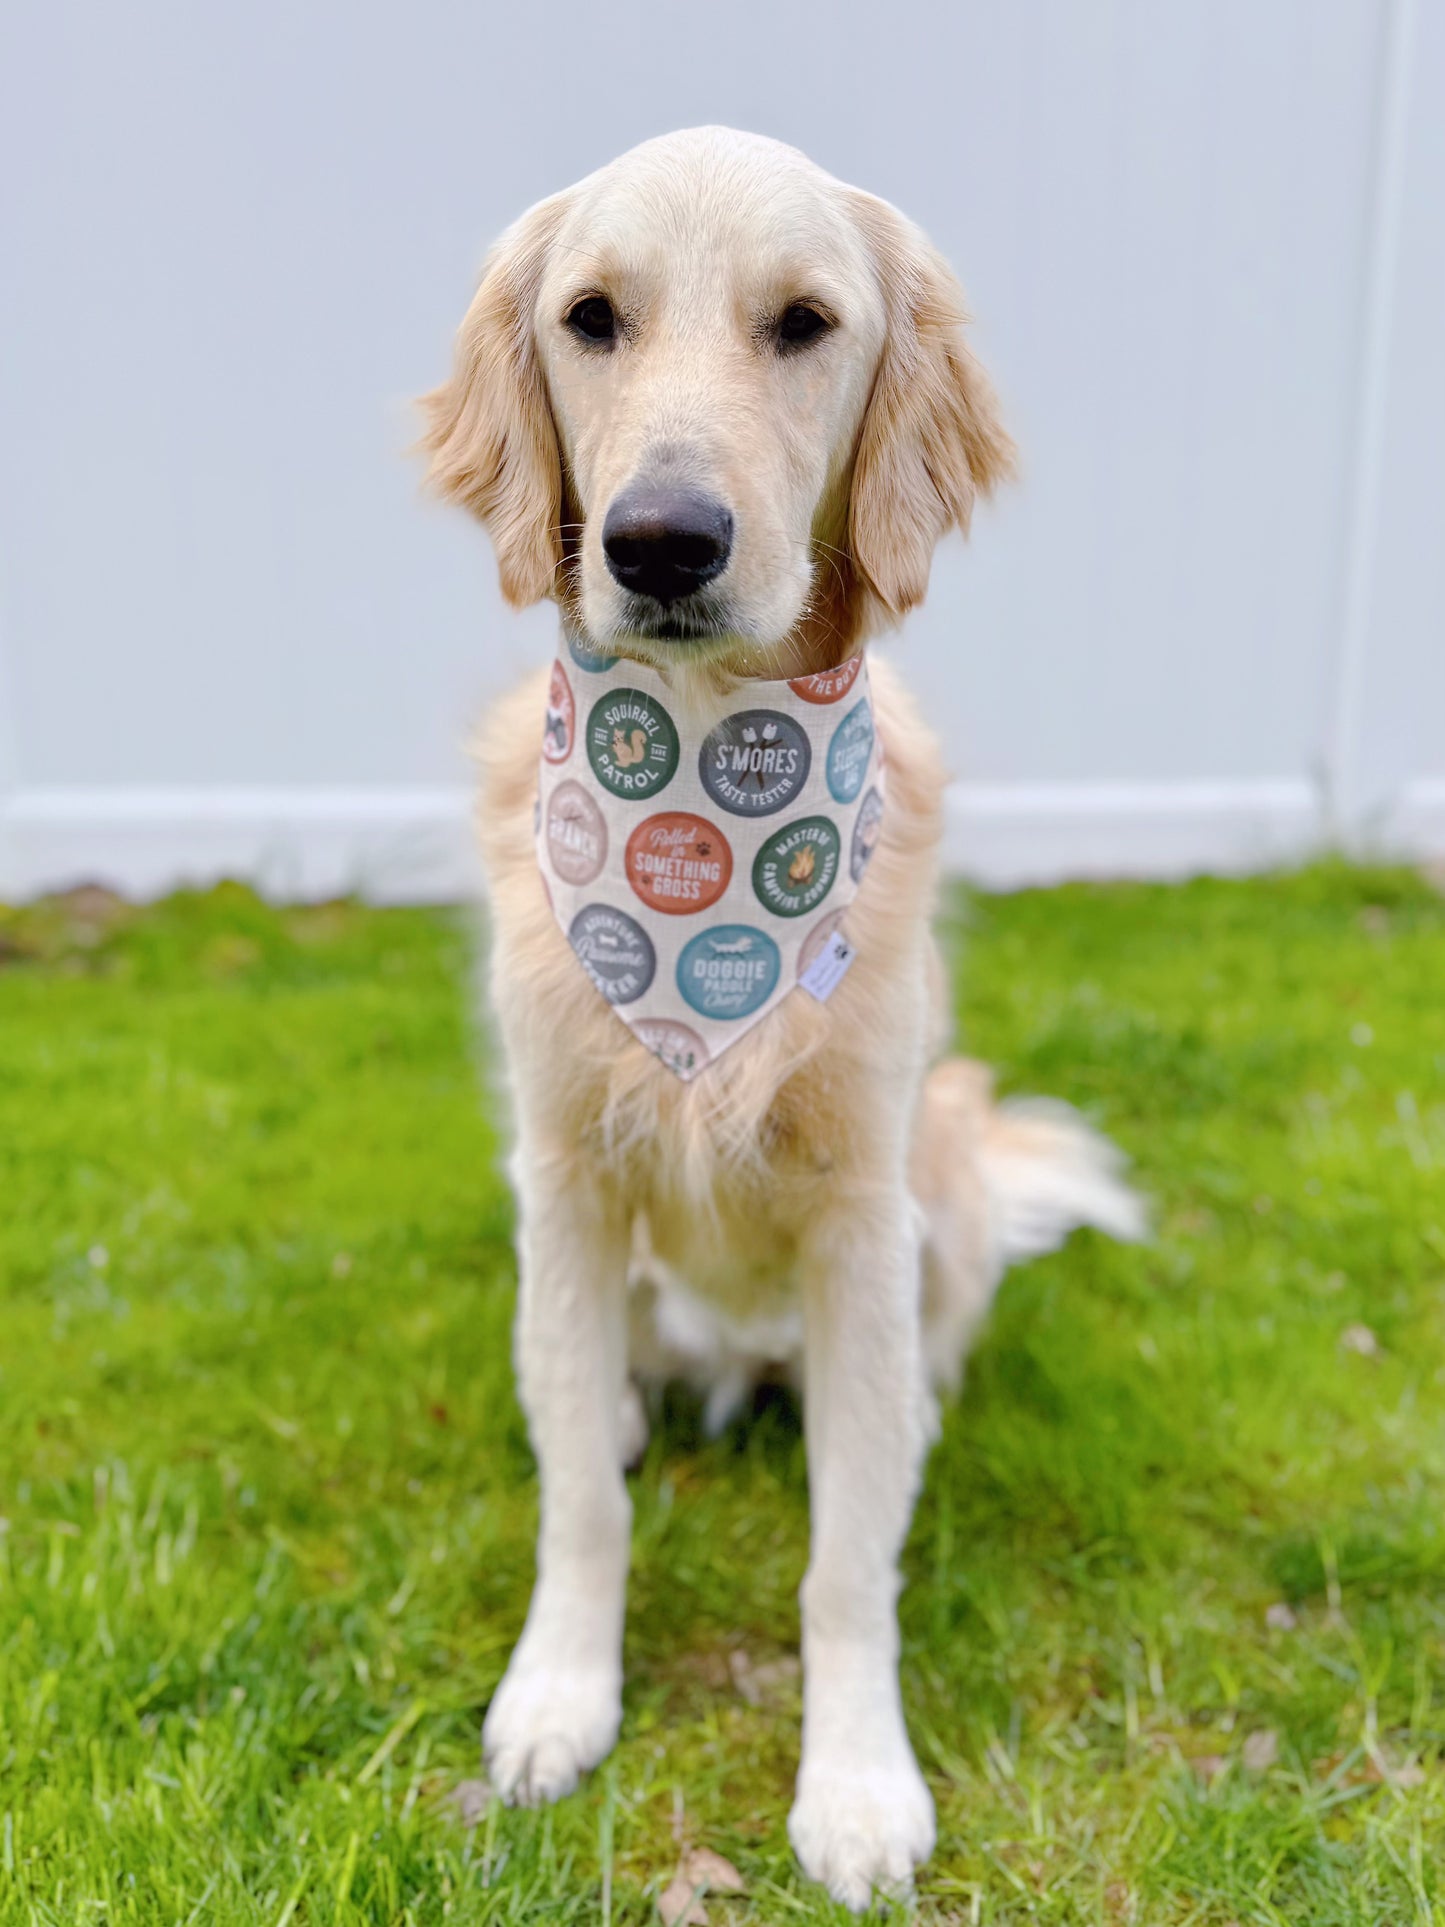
[699, 882]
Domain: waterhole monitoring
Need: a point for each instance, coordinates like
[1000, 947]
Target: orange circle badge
[678, 863]
[830, 685]
[561, 721]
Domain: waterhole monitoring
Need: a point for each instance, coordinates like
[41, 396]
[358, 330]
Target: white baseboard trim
[390, 845]
[414, 845]
[1007, 836]
[1414, 826]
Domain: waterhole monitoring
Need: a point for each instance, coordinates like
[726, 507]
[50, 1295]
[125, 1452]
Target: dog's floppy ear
[931, 439]
[489, 434]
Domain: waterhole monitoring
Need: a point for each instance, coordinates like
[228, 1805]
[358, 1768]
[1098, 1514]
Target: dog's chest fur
[729, 1171]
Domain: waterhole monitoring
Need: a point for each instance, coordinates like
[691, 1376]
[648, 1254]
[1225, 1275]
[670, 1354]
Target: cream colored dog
[720, 408]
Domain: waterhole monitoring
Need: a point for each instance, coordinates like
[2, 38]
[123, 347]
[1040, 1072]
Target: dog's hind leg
[558, 1709]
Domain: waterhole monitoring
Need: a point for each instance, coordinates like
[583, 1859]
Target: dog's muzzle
[666, 543]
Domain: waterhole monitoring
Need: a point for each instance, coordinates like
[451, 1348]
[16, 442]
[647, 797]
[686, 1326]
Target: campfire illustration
[629, 752]
[800, 870]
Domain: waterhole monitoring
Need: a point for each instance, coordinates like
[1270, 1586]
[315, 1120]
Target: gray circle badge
[754, 762]
[615, 951]
[865, 833]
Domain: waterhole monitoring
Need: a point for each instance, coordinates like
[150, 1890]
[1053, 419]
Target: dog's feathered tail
[999, 1184]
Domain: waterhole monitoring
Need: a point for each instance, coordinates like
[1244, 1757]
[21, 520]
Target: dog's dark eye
[799, 325]
[593, 319]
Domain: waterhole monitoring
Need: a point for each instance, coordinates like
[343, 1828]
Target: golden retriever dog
[720, 407]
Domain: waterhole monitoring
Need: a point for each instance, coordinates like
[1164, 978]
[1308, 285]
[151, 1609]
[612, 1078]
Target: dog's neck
[708, 672]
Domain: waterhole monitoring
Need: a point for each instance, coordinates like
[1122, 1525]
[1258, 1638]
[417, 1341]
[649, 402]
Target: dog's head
[718, 405]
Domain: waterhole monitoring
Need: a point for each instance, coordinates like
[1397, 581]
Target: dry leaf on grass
[679, 1906]
[711, 1870]
[699, 1872]
[471, 1798]
[1261, 1750]
[1119, 1901]
[758, 1683]
[1281, 1617]
[1359, 1338]
[1208, 1766]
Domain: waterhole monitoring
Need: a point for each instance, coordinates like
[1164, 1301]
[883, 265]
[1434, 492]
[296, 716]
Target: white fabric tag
[701, 870]
[828, 968]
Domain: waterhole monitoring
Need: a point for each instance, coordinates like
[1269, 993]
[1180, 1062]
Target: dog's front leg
[557, 1711]
[863, 1818]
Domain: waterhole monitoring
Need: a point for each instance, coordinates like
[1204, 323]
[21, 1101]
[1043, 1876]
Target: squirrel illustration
[628, 753]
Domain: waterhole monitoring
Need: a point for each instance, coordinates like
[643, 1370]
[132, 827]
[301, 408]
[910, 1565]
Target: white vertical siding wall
[1206, 246]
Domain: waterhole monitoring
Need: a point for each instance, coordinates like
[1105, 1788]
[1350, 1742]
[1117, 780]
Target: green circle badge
[797, 866]
[631, 744]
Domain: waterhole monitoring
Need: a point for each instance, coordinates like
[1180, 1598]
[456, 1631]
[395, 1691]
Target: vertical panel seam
[1382, 255]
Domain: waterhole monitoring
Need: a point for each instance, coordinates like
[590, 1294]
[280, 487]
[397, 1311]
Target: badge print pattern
[561, 717]
[696, 879]
[755, 762]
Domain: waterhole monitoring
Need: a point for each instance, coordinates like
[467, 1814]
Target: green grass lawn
[1174, 1633]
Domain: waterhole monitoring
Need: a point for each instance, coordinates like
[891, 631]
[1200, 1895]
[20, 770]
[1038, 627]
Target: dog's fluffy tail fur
[999, 1184]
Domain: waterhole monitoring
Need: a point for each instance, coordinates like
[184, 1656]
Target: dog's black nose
[666, 542]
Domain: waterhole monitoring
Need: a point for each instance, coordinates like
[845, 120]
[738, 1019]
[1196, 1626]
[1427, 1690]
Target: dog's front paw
[862, 1826]
[547, 1725]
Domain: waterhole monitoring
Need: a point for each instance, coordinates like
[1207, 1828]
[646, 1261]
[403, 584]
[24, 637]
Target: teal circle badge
[585, 659]
[849, 751]
[614, 950]
[754, 762]
[631, 744]
[729, 971]
[797, 866]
